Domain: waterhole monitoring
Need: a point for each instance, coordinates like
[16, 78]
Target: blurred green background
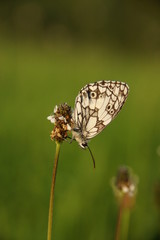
[48, 51]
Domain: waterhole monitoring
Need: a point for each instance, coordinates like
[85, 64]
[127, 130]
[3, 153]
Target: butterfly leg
[69, 141]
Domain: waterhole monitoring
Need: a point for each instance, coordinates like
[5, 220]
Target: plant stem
[123, 220]
[119, 220]
[50, 215]
[125, 225]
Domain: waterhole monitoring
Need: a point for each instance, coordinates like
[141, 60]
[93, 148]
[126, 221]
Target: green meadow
[34, 77]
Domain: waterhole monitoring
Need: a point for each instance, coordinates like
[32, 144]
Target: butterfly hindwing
[97, 104]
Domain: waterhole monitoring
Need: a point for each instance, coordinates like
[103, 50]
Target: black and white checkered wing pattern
[97, 104]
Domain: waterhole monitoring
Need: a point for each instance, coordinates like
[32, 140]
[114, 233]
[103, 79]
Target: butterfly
[96, 105]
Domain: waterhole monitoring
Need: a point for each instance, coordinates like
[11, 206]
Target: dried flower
[125, 184]
[62, 120]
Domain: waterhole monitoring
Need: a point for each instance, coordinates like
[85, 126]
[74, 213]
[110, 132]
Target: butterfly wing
[97, 104]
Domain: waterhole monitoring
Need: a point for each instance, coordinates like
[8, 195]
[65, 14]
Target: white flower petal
[68, 127]
[51, 119]
[55, 109]
[125, 189]
[132, 188]
[62, 118]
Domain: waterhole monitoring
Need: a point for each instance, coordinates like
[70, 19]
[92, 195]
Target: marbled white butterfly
[96, 105]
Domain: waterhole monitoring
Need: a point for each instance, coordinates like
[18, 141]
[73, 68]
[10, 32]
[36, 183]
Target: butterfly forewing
[97, 104]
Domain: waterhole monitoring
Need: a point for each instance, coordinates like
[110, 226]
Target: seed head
[62, 119]
[125, 184]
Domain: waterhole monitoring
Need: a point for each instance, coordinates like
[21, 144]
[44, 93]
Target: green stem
[119, 222]
[125, 225]
[50, 215]
[123, 220]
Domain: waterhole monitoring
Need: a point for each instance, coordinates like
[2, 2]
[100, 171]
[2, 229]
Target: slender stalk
[50, 215]
[119, 222]
[123, 220]
[125, 225]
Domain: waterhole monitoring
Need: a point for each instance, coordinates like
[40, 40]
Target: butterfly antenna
[94, 164]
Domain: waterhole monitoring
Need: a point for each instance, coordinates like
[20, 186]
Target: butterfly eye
[93, 95]
[83, 145]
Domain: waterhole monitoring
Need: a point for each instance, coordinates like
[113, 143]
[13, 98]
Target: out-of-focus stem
[119, 221]
[123, 219]
[125, 223]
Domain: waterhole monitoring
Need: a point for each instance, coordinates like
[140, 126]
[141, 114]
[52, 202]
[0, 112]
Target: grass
[34, 78]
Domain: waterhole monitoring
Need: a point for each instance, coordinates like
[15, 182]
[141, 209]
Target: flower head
[62, 119]
[125, 184]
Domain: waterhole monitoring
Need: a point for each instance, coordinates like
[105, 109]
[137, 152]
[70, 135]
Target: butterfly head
[83, 145]
[82, 141]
